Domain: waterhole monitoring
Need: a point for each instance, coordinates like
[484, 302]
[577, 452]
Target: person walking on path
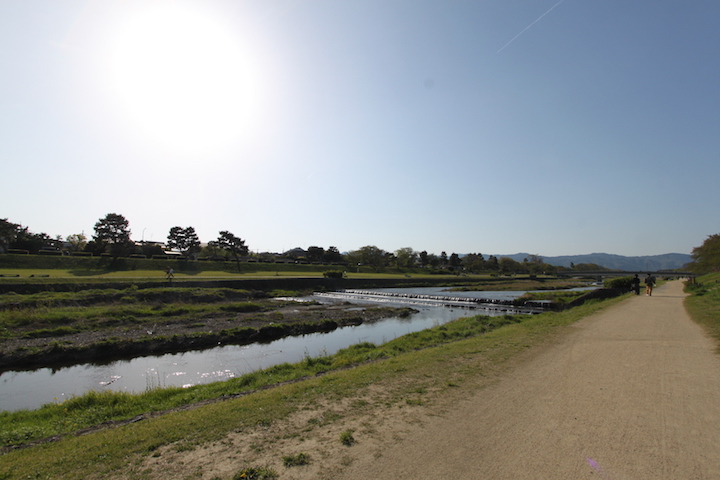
[635, 284]
[649, 284]
[628, 393]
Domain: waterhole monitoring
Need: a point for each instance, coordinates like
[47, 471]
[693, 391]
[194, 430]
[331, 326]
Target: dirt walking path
[631, 393]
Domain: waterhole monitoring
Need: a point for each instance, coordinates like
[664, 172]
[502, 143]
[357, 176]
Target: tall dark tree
[434, 261]
[230, 243]
[424, 259]
[8, 234]
[455, 261]
[706, 257]
[113, 232]
[315, 254]
[475, 262]
[333, 255]
[184, 240]
[493, 264]
[443, 259]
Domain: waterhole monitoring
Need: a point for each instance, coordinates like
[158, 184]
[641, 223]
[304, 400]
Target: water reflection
[33, 389]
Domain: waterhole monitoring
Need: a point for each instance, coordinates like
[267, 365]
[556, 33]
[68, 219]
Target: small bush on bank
[296, 460]
[333, 274]
[619, 283]
[703, 304]
[256, 473]
[347, 438]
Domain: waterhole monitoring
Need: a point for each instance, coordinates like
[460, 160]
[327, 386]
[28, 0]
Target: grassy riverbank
[97, 408]
[51, 328]
[56, 323]
[704, 303]
[411, 372]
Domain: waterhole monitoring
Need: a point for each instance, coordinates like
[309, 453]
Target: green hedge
[619, 283]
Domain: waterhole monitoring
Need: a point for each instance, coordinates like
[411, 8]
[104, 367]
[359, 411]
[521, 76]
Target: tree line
[112, 236]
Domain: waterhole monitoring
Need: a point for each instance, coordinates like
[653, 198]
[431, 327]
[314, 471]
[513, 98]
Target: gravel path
[630, 393]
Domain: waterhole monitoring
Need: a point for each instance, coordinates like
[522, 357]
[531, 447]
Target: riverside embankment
[628, 393]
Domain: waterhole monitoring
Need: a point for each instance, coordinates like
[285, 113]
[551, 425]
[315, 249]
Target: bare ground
[629, 393]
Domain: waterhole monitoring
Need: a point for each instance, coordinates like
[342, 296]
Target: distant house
[151, 249]
[149, 243]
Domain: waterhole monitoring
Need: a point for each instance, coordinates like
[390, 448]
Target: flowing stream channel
[32, 389]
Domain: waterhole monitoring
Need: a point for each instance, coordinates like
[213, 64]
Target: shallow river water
[32, 389]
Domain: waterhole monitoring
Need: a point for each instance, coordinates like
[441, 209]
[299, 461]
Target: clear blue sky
[490, 126]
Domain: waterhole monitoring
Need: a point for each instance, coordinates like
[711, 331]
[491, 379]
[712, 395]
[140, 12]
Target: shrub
[296, 460]
[256, 473]
[50, 252]
[619, 283]
[346, 438]
[333, 274]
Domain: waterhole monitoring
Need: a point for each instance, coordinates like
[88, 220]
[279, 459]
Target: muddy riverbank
[119, 331]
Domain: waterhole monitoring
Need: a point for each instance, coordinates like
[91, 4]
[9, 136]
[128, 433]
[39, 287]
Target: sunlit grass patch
[703, 304]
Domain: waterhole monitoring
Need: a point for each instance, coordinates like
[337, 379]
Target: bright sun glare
[182, 78]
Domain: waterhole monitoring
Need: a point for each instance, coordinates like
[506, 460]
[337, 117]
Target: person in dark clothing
[635, 284]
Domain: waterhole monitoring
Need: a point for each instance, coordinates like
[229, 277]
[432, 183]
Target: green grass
[296, 460]
[555, 296]
[95, 407]
[452, 356]
[704, 303]
[347, 438]
[38, 315]
[256, 473]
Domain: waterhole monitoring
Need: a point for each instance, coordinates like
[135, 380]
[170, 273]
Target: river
[32, 389]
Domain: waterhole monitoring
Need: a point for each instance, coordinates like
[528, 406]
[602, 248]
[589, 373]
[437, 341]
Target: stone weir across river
[512, 306]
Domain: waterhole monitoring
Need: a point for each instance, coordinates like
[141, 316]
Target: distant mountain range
[668, 261]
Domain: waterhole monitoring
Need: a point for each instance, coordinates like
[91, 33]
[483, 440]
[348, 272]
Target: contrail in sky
[529, 26]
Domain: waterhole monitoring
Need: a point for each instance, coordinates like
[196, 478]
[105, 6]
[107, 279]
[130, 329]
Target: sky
[458, 126]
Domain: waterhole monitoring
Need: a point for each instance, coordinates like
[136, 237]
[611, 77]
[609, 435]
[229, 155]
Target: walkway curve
[631, 393]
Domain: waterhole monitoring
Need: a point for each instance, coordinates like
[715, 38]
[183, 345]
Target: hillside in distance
[668, 261]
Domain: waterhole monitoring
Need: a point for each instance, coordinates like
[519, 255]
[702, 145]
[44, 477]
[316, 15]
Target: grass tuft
[296, 460]
[347, 438]
[256, 473]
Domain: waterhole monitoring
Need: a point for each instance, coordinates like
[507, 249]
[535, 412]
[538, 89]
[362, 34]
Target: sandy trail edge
[631, 393]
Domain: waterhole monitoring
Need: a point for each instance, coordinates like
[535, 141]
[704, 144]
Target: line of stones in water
[527, 307]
